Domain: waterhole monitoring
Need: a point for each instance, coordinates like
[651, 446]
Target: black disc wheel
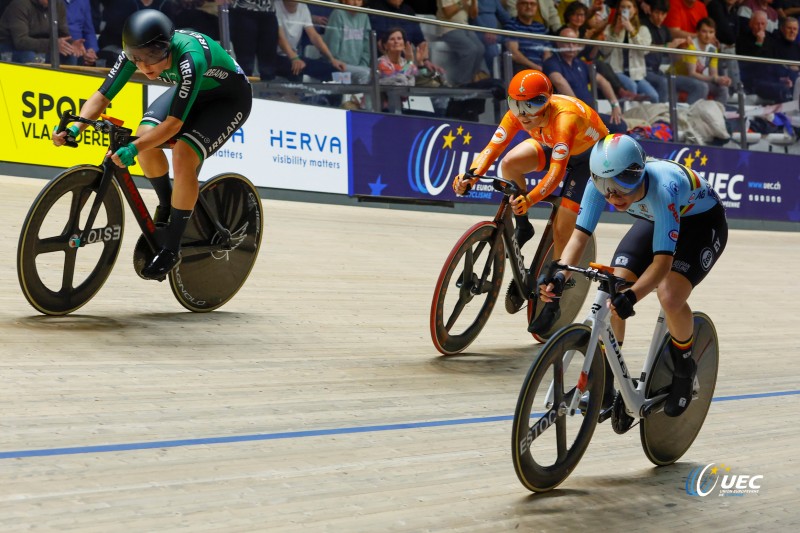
[666, 439]
[574, 293]
[58, 273]
[548, 440]
[467, 288]
[218, 257]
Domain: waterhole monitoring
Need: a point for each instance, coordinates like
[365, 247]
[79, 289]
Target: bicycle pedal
[583, 403]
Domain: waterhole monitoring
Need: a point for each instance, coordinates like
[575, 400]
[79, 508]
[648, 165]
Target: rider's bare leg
[523, 158]
[156, 170]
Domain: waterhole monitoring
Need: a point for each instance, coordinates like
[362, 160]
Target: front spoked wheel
[574, 293]
[58, 273]
[665, 439]
[217, 260]
[547, 440]
[467, 288]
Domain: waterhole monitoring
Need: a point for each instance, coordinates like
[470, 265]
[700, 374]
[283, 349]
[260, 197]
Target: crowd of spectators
[297, 41]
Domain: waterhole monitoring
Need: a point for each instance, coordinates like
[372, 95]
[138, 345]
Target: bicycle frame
[632, 389]
[515, 257]
[120, 136]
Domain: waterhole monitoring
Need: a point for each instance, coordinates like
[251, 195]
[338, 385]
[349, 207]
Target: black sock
[178, 220]
[163, 189]
[681, 352]
[522, 220]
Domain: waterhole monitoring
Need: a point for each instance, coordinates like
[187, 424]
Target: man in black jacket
[763, 79]
[25, 30]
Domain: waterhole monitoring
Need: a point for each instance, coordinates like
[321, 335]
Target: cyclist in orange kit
[563, 130]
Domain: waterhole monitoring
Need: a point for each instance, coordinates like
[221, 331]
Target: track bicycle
[471, 278]
[559, 405]
[71, 236]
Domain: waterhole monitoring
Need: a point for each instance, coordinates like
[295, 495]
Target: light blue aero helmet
[617, 164]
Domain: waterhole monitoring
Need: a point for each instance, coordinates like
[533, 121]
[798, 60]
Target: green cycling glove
[72, 131]
[127, 154]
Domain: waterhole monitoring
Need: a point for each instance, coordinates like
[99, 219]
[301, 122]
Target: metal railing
[374, 88]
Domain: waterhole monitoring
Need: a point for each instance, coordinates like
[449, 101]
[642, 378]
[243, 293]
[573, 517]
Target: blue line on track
[309, 433]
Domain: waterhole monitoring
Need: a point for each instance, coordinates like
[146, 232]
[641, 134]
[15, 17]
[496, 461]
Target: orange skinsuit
[573, 128]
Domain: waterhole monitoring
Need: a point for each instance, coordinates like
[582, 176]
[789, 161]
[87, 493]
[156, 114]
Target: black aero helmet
[146, 36]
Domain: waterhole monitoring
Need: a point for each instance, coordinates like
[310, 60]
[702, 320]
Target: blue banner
[751, 185]
[409, 157]
[416, 158]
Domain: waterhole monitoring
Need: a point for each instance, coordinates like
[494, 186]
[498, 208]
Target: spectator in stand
[761, 78]
[629, 65]
[198, 15]
[683, 16]
[294, 19]
[25, 31]
[597, 18]
[695, 89]
[82, 31]
[748, 7]
[467, 48]
[254, 35]
[347, 37]
[115, 13]
[786, 47]
[411, 30]
[704, 68]
[393, 67]
[491, 14]
[575, 17]
[548, 13]
[570, 76]
[725, 14]
[527, 53]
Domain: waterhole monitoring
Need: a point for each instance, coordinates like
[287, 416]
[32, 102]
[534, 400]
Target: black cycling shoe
[680, 393]
[161, 264]
[523, 233]
[546, 319]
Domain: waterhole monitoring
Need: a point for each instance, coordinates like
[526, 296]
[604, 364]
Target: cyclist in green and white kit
[210, 99]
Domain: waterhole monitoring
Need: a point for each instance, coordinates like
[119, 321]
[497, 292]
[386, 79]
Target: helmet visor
[624, 184]
[149, 55]
[531, 107]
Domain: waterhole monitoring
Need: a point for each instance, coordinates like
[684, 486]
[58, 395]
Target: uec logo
[432, 160]
[703, 480]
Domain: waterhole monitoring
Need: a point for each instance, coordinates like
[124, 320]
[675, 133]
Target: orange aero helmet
[529, 92]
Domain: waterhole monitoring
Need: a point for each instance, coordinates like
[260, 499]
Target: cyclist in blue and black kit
[210, 99]
[679, 234]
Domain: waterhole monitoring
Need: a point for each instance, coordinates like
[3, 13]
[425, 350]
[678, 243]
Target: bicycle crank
[621, 421]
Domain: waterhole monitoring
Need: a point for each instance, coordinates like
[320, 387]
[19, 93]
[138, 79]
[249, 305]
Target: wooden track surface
[315, 401]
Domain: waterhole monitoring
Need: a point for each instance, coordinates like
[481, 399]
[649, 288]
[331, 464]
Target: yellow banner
[33, 100]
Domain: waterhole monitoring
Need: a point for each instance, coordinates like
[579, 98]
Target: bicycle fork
[597, 315]
[80, 239]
